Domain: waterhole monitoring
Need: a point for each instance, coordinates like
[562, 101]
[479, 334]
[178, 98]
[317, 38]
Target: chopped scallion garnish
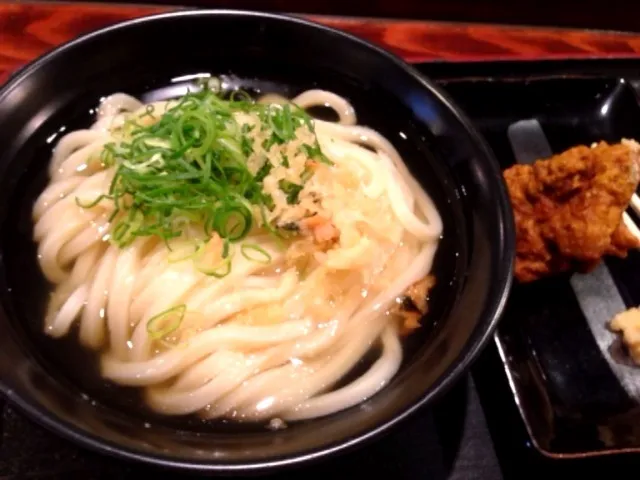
[291, 190]
[188, 165]
[264, 171]
[220, 270]
[314, 152]
[166, 322]
[255, 253]
[92, 203]
[306, 174]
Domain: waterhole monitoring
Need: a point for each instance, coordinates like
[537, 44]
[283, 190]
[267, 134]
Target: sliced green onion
[314, 152]
[166, 322]
[143, 167]
[255, 253]
[220, 270]
[190, 167]
[232, 148]
[264, 170]
[157, 142]
[92, 203]
[233, 223]
[148, 112]
[225, 248]
[185, 251]
[222, 266]
[126, 229]
[246, 144]
[306, 174]
[268, 202]
[292, 190]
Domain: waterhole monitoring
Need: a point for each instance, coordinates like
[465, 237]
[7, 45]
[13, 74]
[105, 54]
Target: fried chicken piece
[412, 305]
[568, 208]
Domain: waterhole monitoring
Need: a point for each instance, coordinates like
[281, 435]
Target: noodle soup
[234, 257]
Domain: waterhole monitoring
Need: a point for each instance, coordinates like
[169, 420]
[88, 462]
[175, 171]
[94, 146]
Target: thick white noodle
[323, 98]
[220, 364]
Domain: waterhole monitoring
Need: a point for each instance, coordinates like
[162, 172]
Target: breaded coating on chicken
[568, 208]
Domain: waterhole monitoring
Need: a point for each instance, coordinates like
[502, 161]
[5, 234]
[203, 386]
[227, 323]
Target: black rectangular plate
[576, 393]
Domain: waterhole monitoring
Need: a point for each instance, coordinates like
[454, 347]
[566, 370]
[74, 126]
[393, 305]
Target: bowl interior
[56, 381]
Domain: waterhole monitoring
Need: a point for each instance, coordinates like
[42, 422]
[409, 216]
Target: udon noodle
[254, 326]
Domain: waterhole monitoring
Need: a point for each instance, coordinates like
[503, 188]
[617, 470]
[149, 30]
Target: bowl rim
[497, 304]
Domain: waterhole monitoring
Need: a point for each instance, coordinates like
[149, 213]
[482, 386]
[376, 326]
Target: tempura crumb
[276, 424]
[628, 324]
[413, 304]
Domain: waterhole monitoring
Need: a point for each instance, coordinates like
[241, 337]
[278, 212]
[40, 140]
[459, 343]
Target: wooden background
[29, 29]
[601, 14]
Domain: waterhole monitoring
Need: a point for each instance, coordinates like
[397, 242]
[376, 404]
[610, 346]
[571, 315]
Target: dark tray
[576, 392]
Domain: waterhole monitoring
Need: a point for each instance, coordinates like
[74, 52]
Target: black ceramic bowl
[146, 58]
